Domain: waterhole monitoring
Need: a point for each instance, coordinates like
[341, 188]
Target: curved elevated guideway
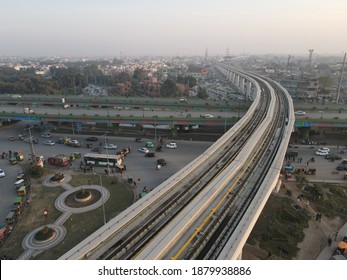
[207, 209]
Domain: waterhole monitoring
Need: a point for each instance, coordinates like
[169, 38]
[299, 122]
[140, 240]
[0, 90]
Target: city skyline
[157, 28]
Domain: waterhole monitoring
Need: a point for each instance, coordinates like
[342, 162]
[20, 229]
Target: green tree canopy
[202, 93]
[169, 89]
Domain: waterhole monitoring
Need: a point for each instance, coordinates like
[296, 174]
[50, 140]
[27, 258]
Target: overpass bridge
[207, 209]
[141, 111]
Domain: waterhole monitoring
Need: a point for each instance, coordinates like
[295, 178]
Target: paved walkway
[328, 251]
[31, 245]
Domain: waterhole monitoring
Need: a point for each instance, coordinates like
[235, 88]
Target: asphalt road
[138, 166]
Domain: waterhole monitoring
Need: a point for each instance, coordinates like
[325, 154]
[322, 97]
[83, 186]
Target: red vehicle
[59, 160]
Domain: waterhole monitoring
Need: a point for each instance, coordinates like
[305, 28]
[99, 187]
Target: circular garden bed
[82, 198]
[57, 177]
[44, 234]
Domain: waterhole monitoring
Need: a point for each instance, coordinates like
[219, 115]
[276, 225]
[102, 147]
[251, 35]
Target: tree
[325, 82]
[202, 93]
[139, 75]
[169, 89]
[189, 81]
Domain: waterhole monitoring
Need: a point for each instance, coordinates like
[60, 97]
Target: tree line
[72, 79]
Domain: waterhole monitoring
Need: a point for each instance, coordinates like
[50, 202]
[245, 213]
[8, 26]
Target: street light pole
[155, 129]
[108, 165]
[31, 146]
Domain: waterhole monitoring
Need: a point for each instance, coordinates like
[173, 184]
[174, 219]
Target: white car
[299, 113]
[322, 153]
[171, 145]
[110, 147]
[2, 173]
[324, 149]
[143, 150]
[46, 135]
[49, 142]
[208, 116]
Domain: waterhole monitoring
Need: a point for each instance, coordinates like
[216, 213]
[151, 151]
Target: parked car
[49, 142]
[2, 173]
[143, 150]
[62, 140]
[73, 143]
[32, 139]
[299, 113]
[333, 157]
[341, 167]
[161, 162]
[110, 147]
[92, 139]
[171, 145]
[321, 153]
[150, 154]
[324, 149]
[46, 135]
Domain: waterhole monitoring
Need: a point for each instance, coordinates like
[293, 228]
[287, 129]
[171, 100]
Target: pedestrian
[336, 233]
[329, 241]
[89, 182]
[45, 212]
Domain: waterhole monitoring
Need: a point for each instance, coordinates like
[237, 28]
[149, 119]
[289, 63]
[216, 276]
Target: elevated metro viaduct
[90, 246]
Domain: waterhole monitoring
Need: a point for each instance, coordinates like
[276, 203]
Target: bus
[102, 160]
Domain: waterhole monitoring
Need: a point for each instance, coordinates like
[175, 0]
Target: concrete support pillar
[237, 82]
[249, 90]
[242, 84]
[233, 79]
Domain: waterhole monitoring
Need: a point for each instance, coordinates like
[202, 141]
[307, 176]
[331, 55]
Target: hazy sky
[176, 27]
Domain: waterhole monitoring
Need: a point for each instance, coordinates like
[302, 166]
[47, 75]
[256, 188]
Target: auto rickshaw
[77, 155]
[13, 160]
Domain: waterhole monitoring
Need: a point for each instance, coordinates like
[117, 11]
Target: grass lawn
[78, 226]
[280, 226]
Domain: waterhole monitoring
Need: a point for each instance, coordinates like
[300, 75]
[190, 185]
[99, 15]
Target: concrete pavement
[328, 251]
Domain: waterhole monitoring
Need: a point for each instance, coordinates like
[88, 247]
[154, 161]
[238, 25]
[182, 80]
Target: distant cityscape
[312, 78]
